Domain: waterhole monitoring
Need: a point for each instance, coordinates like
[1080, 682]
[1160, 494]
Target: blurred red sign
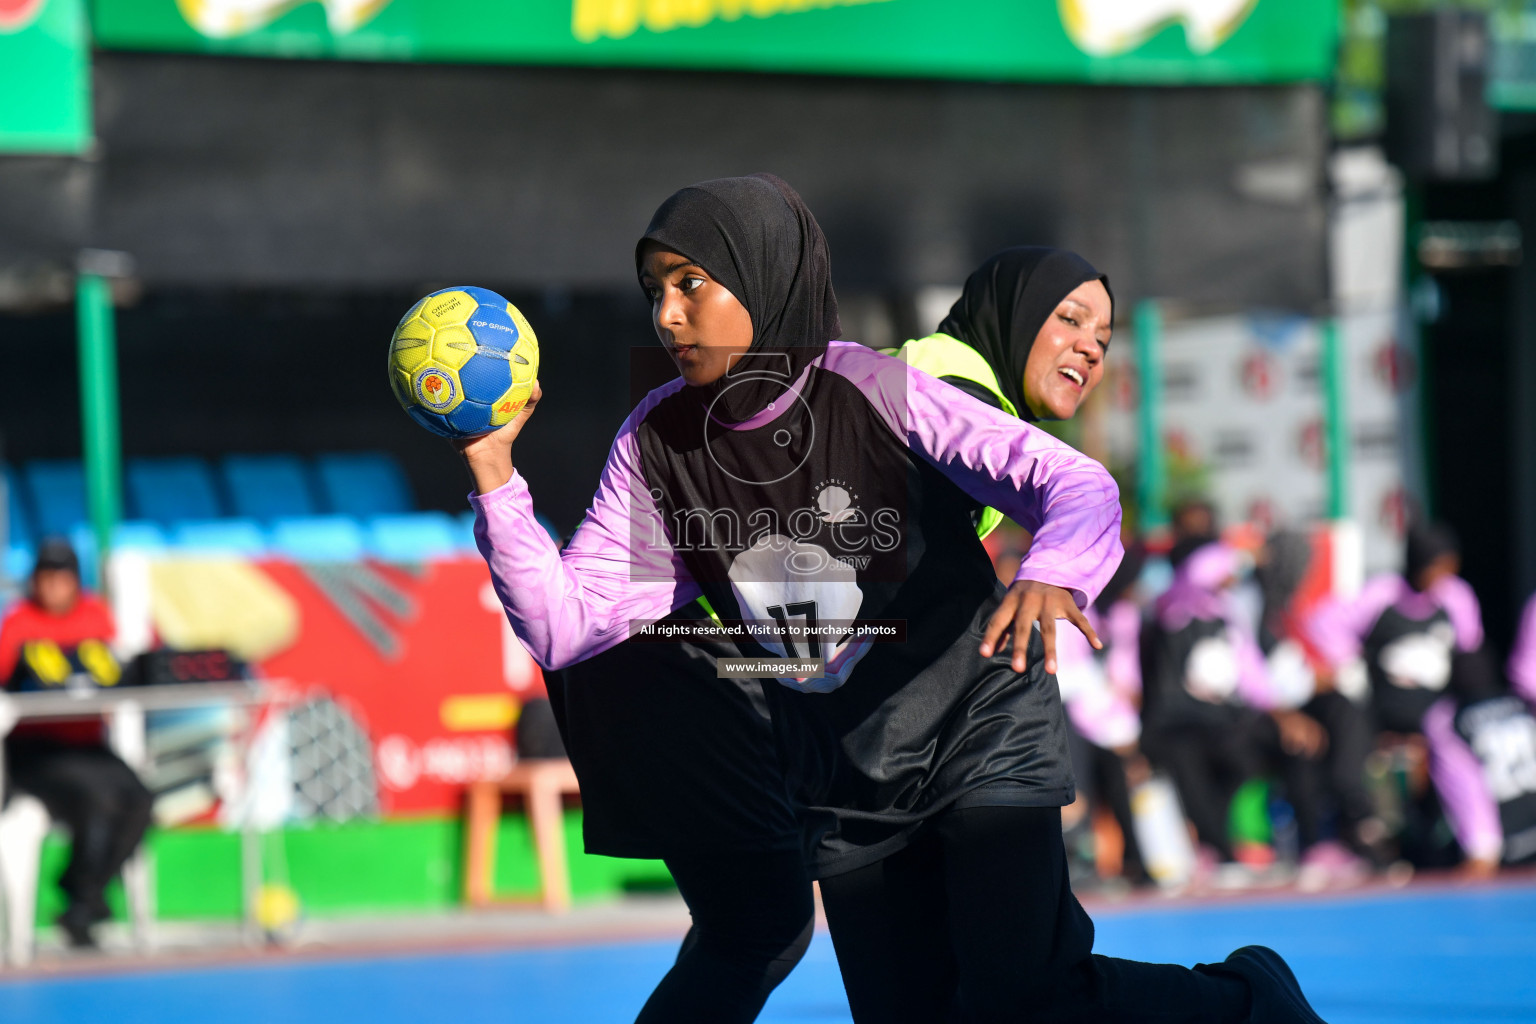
[424, 661]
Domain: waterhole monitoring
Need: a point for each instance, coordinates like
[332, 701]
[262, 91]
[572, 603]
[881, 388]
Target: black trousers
[753, 915]
[1101, 777]
[99, 799]
[1350, 739]
[1209, 761]
[975, 922]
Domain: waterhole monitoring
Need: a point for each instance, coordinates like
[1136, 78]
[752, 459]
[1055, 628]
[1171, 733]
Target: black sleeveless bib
[821, 515]
[1409, 663]
[1502, 733]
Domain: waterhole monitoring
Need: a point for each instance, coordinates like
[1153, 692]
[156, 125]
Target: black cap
[56, 553]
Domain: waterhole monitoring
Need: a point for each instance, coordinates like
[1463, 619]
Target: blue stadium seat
[57, 489]
[267, 487]
[132, 535]
[220, 537]
[83, 539]
[166, 490]
[138, 535]
[414, 537]
[18, 560]
[465, 534]
[362, 484]
[18, 524]
[319, 538]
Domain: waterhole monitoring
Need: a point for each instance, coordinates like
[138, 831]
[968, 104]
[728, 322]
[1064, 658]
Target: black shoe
[1277, 996]
[97, 911]
[76, 922]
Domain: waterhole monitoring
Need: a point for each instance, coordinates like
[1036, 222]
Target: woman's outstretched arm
[618, 570]
[1068, 501]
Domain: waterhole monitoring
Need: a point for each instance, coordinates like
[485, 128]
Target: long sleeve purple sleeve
[1122, 634]
[1338, 626]
[1254, 685]
[618, 568]
[1458, 778]
[1068, 501]
[1457, 597]
[1522, 660]
[1095, 703]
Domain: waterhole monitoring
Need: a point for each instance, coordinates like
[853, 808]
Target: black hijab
[1425, 543]
[1005, 303]
[756, 236]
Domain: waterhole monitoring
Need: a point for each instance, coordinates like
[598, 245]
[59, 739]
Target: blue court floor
[1449, 957]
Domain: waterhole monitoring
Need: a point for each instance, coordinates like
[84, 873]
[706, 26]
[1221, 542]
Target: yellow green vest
[940, 355]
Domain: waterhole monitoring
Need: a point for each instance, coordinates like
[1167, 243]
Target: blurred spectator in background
[1192, 523]
[1023, 339]
[66, 765]
[1209, 717]
[1401, 633]
[1483, 760]
[1405, 628]
[1101, 691]
[1283, 563]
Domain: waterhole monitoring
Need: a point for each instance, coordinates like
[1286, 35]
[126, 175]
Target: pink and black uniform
[821, 492]
[1483, 750]
[1405, 636]
[1408, 640]
[1206, 692]
[862, 517]
[1495, 729]
[1102, 694]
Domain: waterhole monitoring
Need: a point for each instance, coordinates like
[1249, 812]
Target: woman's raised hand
[1026, 603]
[489, 456]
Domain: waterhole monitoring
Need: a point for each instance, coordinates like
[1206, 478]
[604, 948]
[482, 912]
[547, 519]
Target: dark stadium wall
[1480, 388]
[282, 214]
[45, 217]
[1467, 365]
[209, 372]
[313, 174]
[1520, 389]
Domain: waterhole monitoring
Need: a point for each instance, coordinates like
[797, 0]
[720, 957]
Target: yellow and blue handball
[463, 362]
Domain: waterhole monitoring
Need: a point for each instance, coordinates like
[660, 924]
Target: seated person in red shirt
[66, 765]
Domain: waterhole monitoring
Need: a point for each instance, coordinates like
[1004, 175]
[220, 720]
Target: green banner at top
[45, 67]
[1127, 41]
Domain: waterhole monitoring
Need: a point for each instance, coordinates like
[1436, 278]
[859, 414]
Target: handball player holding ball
[931, 770]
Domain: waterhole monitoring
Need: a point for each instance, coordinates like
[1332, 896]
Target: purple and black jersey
[846, 502]
[1406, 638]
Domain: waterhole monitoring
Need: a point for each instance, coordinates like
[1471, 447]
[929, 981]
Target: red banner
[424, 662]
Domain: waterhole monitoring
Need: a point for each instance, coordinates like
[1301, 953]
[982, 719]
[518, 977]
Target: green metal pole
[98, 407]
[1336, 417]
[1152, 470]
